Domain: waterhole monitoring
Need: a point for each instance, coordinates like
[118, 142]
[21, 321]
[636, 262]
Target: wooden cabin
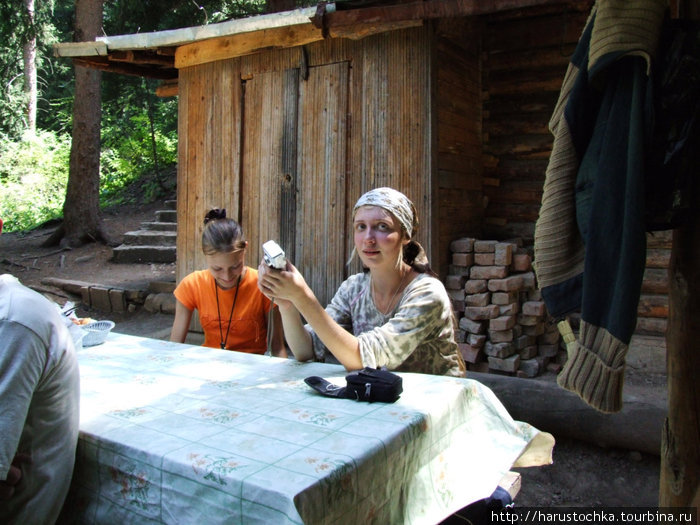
[286, 119]
[287, 122]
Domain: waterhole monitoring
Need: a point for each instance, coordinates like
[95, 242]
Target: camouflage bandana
[392, 201]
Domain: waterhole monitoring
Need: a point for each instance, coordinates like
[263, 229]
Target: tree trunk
[29, 59]
[82, 219]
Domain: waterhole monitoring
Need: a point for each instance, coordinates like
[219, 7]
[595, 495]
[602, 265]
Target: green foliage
[139, 131]
[33, 177]
[127, 158]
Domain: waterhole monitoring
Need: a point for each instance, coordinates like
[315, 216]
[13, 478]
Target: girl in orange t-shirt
[232, 310]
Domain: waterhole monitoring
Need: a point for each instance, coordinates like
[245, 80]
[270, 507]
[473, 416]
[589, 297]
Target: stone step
[166, 216]
[171, 204]
[143, 254]
[159, 226]
[150, 238]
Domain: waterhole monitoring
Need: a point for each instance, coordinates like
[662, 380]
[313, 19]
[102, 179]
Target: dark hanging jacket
[590, 239]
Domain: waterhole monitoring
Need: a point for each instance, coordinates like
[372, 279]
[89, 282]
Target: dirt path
[582, 475]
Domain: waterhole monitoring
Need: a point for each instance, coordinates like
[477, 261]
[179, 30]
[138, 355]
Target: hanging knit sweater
[590, 240]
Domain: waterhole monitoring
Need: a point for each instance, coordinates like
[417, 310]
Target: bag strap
[325, 387]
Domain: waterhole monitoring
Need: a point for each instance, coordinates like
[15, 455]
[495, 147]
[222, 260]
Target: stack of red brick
[503, 322]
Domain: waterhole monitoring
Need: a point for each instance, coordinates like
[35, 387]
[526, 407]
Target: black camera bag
[368, 384]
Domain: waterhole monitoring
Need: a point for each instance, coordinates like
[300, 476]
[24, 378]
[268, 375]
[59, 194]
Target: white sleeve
[22, 361]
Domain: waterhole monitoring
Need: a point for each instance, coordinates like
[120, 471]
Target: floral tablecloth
[174, 433]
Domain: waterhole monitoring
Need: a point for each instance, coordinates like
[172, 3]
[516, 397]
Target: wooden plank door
[269, 159]
[321, 225]
[294, 167]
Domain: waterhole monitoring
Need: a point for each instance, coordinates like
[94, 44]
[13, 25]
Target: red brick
[517, 330]
[462, 259]
[521, 262]
[530, 320]
[456, 295]
[509, 284]
[525, 340]
[472, 327]
[501, 336]
[501, 298]
[476, 286]
[535, 330]
[500, 350]
[469, 353]
[536, 308]
[488, 272]
[509, 364]
[503, 322]
[454, 269]
[528, 352]
[463, 245]
[478, 299]
[481, 313]
[485, 246]
[504, 254]
[528, 368]
[529, 280]
[485, 259]
[476, 340]
[454, 282]
[509, 309]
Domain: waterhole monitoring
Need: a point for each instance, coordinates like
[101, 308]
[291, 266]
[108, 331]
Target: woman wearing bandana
[395, 314]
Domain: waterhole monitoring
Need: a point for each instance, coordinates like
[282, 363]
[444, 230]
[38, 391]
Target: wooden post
[680, 445]
[680, 448]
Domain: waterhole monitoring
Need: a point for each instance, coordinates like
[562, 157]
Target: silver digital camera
[274, 255]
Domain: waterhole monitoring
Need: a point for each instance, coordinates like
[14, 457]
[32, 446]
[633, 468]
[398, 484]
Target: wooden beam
[357, 31]
[126, 68]
[168, 88]
[148, 58]
[245, 44]
[421, 11]
[79, 49]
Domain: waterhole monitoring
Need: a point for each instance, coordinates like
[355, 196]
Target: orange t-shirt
[248, 331]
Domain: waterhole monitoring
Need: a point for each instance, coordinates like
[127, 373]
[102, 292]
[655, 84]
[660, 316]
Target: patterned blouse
[417, 336]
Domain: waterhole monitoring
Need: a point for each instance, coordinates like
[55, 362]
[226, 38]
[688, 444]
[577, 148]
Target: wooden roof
[160, 54]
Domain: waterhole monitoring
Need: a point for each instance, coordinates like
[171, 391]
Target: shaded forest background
[39, 122]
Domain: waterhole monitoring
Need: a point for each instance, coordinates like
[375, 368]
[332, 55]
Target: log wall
[524, 61]
[459, 135]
